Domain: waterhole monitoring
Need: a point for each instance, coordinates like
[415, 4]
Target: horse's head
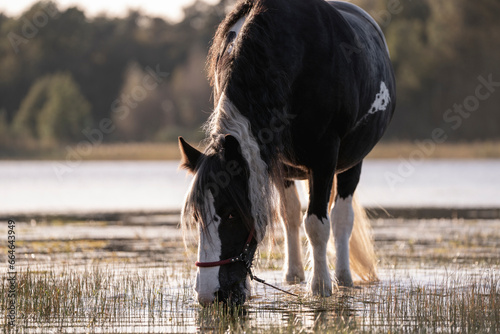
[218, 202]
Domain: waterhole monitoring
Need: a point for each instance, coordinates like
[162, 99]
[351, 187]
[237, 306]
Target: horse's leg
[292, 218]
[317, 226]
[342, 216]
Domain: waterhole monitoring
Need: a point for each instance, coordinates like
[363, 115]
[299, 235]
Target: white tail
[362, 256]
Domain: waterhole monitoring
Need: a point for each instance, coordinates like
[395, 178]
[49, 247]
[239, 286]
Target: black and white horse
[303, 89]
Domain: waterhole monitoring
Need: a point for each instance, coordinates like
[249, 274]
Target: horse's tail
[362, 258]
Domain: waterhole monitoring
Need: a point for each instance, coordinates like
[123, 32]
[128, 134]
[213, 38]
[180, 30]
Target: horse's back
[357, 16]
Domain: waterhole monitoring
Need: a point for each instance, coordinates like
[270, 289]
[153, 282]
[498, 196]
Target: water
[137, 276]
[30, 187]
[109, 277]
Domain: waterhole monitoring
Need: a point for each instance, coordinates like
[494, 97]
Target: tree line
[142, 78]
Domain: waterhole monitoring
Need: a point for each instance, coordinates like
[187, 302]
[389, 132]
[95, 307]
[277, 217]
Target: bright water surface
[30, 187]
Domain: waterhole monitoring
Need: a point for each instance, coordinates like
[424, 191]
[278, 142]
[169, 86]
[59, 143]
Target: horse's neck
[226, 119]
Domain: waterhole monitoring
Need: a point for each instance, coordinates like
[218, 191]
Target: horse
[303, 90]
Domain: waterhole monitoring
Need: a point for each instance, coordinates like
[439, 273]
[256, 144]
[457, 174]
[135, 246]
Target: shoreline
[171, 217]
[170, 151]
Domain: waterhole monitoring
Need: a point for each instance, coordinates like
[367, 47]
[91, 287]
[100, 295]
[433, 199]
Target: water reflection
[220, 318]
[147, 286]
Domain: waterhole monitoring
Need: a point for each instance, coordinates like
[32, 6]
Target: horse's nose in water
[205, 299]
[230, 299]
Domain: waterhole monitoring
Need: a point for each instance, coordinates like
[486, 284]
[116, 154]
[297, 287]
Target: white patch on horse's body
[382, 100]
[236, 28]
[209, 250]
[318, 233]
[226, 119]
[342, 216]
[292, 218]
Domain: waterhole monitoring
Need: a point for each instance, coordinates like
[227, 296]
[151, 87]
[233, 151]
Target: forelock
[195, 207]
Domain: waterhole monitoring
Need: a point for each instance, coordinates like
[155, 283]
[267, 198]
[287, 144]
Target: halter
[243, 257]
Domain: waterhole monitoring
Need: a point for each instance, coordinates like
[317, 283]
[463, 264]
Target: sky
[171, 9]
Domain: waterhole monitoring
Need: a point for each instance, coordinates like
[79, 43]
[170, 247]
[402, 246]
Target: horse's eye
[231, 216]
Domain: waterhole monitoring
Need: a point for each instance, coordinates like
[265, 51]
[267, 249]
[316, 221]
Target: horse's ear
[190, 155]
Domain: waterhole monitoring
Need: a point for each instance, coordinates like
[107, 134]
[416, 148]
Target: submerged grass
[444, 280]
[449, 305]
[132, 300]
[97, 297]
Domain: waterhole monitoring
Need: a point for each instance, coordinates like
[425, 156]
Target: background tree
[439, 48]
[54, 111]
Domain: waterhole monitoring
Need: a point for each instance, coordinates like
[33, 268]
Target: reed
[121, 298]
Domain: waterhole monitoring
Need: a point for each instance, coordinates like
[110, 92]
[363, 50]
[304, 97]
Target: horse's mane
[253, 76]
[253, 87]
[241, 9]
[252, 91]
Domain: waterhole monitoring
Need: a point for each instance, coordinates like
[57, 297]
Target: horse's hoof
[321, 288]
[294, 278]
[344, 279]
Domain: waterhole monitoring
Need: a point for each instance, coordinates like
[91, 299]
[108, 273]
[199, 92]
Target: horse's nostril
[206, 299]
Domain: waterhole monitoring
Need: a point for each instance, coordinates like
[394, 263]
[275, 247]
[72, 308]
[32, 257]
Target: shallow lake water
[134, 274]
[30, 187]
[135, 277]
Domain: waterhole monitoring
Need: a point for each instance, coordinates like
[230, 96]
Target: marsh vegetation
[109, 277]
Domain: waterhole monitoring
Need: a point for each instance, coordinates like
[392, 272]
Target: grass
[147, 301]
[474, 150]
[98, 290]
[96, 297]
[118, 151]
[170, 151]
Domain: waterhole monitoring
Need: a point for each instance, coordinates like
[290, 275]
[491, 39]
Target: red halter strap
[243, 257]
